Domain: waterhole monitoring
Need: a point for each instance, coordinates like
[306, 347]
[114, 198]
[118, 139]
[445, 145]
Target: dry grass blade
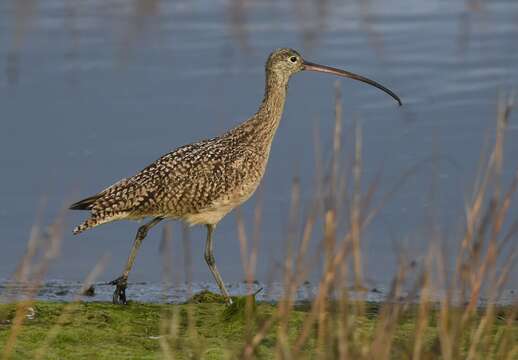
[69, 308]
[31, 272]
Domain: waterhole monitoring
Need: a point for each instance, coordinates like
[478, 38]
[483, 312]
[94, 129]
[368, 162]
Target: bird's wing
[129, 194]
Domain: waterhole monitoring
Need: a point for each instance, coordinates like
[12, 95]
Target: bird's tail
[87, 224]
[104, 208]
[97, 219]
[85, 204]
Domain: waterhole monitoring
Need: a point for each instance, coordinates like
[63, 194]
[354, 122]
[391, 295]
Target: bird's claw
[119, 295]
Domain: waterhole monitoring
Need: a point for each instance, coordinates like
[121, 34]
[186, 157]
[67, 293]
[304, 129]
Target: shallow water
[153, 292]
[59, 290]
[92, 91]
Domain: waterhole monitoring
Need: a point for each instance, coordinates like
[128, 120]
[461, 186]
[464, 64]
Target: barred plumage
[198, 183]
[201, 182]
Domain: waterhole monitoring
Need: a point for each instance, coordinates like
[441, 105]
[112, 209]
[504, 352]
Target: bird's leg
[209, 258]
[119, 295]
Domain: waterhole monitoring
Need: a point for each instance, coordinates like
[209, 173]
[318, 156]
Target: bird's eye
[293, 59]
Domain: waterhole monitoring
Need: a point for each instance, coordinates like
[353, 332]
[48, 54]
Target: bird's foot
[119, 295]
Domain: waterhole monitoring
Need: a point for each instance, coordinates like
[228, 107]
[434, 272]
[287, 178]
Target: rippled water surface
[153, 292]
[93, 91]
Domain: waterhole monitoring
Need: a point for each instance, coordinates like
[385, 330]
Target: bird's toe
[119, 295]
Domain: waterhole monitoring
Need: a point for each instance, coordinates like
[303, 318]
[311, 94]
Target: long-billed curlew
[202, 182]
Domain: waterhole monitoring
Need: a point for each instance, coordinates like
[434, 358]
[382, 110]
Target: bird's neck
[276, 87]
[263, 125]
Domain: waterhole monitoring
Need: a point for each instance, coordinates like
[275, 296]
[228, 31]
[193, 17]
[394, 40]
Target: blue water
[156, 292]
[93, 91]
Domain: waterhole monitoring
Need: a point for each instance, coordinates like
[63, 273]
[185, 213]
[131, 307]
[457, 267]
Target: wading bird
[201, 182]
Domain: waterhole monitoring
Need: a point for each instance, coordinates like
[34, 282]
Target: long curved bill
[330, 70]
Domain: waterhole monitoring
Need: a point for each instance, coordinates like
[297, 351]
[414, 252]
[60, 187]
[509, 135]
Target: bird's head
[285, 62]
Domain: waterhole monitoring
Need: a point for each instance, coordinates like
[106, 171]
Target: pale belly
[221, 207]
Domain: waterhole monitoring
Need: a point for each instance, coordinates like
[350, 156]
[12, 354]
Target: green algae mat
[201, 330]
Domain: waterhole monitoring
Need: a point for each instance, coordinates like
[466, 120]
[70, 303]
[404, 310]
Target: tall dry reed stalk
[42, 248]
[485, 259]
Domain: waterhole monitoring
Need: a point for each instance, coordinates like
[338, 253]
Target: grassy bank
[207, 330]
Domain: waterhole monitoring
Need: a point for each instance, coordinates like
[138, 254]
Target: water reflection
[24, 12]
[145, 13]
